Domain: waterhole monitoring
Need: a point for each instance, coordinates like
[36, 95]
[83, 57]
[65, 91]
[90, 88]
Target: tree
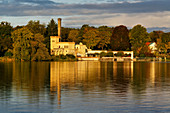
[39, 50]
[120, 38]
[73, 36]
[35, 27]
[138, 38]
[91, 38]
[155, 35]
[21, 46]
[104, 36]
[64, 34]
[51, 30]
[5, 37]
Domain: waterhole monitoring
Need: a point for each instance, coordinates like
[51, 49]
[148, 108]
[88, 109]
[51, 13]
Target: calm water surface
[84, 87]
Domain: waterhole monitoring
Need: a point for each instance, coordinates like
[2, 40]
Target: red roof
[148, 43]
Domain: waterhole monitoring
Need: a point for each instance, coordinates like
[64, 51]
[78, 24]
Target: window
[53, 40]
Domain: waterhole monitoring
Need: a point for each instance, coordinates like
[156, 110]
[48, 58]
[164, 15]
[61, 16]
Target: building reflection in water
[84, 78]
[89, 76]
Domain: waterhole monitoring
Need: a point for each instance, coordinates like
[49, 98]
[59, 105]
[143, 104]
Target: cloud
[46, 7]
[150, 13]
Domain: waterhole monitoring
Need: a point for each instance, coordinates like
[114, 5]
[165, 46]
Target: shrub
[109, 54]
[120, 53]
[8, 54]
[142, 55]
[103, 54]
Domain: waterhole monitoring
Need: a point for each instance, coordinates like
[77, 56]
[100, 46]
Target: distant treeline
[32, 41]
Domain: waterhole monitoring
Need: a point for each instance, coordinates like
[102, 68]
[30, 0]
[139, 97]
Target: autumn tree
[74, 36]
[51, 30]
[64, 33]
[91, 38]
[21, 46]
[155, 35]
[5, 37]
[38, 48]
[120, 38]
[104, 35]
[138, 38]
[35, 27]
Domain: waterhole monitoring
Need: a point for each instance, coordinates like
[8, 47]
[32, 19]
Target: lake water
[84, 87]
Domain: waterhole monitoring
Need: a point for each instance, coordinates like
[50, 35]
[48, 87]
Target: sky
[153, 14]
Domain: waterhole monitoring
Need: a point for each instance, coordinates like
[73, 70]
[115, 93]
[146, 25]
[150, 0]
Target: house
[152, 46]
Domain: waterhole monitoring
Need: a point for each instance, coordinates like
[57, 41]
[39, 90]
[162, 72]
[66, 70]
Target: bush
[70, 56]
[8, 54]
[142, 55]
[120, 53]
[103, 54]
[109, 54]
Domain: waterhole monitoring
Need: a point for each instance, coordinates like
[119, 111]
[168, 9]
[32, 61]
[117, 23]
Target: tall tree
[73, 36]
[120, 38]
[64, 33]
[91, 38]
[155, 35]
[38, 48]
[35, 27]
[21, 46]
[51, 30]
[138, 38]
[104, 36]
[5, 37]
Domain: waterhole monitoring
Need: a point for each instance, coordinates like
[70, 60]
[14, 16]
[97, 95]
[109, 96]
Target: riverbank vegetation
[32, 41]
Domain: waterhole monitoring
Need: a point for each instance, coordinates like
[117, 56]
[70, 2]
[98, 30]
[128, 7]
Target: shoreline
[138, 59]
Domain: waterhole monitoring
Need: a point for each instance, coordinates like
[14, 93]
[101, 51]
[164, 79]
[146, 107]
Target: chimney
[59, 27]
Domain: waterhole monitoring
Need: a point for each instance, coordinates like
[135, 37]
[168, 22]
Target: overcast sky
[75, 13]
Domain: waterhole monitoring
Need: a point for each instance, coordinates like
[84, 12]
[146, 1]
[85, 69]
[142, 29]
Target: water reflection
[90, 77]
[40, 86]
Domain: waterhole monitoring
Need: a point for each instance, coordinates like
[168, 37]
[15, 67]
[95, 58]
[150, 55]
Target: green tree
[21, 46]
[120, 38]
[39, 50]
[138, 38]
[155, 35]
[51, 30]
[5, 37]
[64, 34]
[35, 27]
[73, 36]
[91, 38]
[104, 36]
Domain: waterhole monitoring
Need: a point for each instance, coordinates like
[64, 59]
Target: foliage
[35, 27]
[51, 30]
[155, 35]
[64, 34]
[91, 38]
[104, 36]
[73, 36]
[109, 54]
[9, 53]
[5, 37]
[120, 53]
[120, 38]
[21, 46]
[103, 54]
[67, 57]
[138, 38]
[39, 50]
